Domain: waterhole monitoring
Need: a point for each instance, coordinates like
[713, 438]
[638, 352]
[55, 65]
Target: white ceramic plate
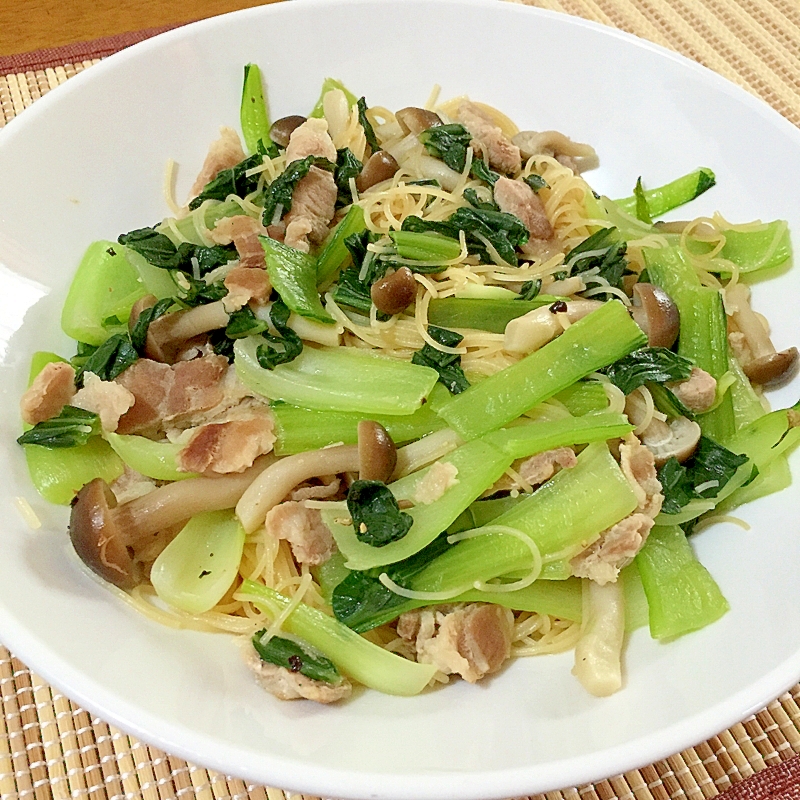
[87, 162]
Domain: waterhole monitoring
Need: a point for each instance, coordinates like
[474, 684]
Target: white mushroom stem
[540, 326]
[275, 482]
[748, 322]
[180, 500]
[183, 325]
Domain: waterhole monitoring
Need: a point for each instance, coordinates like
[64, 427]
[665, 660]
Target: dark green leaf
[244, 323]
[279, 192]
[287, 344]
[530, 289]
[290, 655]
[648, 365]
[480, 169]
[199, 292]
[642, 209]
[139, 332]
[347, 166]
[471, 196]
[448, 365]
[72, 427]
[610, 261]
[369, 132]
[231, 181]
[377, 519]
[536, 182]
[449, 143]
[676, 486]
[155, 247]
[110, 359]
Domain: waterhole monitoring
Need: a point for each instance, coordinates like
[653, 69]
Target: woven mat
[49, 747]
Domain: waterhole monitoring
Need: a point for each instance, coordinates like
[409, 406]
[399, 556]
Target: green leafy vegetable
[289, 344]
[347, 166]
[112, 358]
[244, 323]
[290, 655]
[480, 169]
[369, 133]
[253, 113]
[449, 143]
[536, 182]
[530, 289]
[711, 464]
[159, 250]
[377, 519]
[279, 192]
[148, 315]
[642, 210]
[448, 365]
[471, 196]
[231, 181]
[72, 427]
[649, 364]
[604, 250]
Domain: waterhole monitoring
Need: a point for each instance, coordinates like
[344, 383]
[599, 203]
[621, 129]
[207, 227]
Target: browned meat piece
[489, 139]
[471, 640]
[243, 231]
[228, 446]
[224, 153]
[310, 139]
[615, 549]
[517, 198]
[541, 467]
[169, 393]
[697, 392]
[51, 390]
[309, 537]
[316, 491]
[107, 399]
[245, 284]
[286, 685]
[638, 466]
[313, 206]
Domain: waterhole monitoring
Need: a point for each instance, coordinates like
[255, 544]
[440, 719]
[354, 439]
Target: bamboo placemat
[51, 748]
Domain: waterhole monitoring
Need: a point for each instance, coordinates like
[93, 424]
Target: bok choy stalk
[681, 594]
[353, 655]
[156, 460]
[337, 379]
[253, 113]
[595, 341]
[703, 329]
[671, 195]
[477, 466]
[196, 569]
[485, 314]
[334, 252]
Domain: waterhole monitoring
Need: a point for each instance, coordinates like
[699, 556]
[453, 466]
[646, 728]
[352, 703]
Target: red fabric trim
[75, 53]
[781, 782]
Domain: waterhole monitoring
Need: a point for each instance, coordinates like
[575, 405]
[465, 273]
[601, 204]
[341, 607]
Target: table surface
[51, 748]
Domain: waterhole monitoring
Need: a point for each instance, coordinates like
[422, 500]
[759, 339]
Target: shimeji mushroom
[767, 366]
[654, 311]
[106, 535]
[380, 166]
[392, 293]
[374, 458]
[540, 326]
[677, 439]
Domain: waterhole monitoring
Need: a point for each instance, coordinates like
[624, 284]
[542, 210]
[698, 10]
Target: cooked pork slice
[471, 640]
[317, 491]
[311, 139]
[615, 549]
[313, 207]
[107, 399]
[517, 198]
[439, 479]
[243, 231]
[287, 685]
[541, 467]
[309, 537]
[489, 139]
[638, 466]
[245, 284]
[51, 390]
[166, 394]
[224, 153]
[130, 485]
[228, 446]
[697, 392]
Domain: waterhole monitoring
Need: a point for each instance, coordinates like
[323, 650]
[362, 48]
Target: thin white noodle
[297, 598]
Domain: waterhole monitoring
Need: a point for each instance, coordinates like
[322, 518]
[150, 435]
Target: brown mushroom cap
[415, 120]
[377, 453]
[677, 439]
[380, 167]
[656, 314]
[394, 291]
[282, 129]
[98, 538]
[773, 368]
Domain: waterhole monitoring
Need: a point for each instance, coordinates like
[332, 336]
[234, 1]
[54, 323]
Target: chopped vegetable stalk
[196, 569]
[485, 314]
[156, 460]
[598, 654]
[760, 248]
[101, 294]
[334, 252]
[560, 599]
[521, 441]
[253, 114]
[353, 655]
[71, 428]
[477, 465]
[425, 247]
[703, 329]
[337, 379]
[293, 274]
[295, 657]
[681, 594]
[156, 281]
[673, 194]
[327, 85]
[595, 341]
